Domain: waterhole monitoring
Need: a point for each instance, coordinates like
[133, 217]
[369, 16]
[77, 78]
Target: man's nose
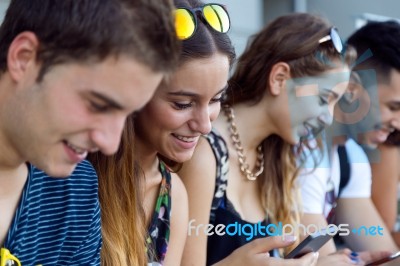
[107, 136]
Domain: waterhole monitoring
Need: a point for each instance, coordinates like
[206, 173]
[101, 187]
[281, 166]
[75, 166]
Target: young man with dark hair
[71, 72]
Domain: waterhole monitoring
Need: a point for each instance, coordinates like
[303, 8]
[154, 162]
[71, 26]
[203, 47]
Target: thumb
[262, 245]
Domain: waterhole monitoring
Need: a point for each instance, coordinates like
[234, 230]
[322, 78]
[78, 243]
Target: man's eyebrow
[184, 93]
[107, 100]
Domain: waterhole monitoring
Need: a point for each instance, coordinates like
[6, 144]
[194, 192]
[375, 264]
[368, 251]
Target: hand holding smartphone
[312, 243]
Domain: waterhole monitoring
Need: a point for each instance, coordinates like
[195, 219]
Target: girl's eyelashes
[219, 98]
[328, 96]
[323, 100]
[181, 106]
[215, 100]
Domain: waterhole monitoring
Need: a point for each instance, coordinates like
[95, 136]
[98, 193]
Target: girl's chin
[180, 158]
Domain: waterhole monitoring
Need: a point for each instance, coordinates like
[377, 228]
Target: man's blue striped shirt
[57, 221]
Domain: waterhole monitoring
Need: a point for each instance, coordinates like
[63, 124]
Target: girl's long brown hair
[292, 39]
[121, 199]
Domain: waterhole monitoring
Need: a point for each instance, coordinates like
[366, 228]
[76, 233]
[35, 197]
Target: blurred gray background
[248, 16]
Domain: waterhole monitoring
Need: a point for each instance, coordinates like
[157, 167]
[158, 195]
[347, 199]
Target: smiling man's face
[75, 109]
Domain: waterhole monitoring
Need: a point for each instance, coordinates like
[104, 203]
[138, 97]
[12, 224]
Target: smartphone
[383, 260]
[313, 242]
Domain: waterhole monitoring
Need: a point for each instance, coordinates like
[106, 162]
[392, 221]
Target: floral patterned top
[158, 238]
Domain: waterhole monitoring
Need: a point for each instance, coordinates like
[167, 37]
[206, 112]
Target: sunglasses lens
[184, 23]
[337, 42]
[217, 17]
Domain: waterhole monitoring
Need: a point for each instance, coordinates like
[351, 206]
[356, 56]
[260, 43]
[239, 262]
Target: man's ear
[21, 53]
[354, 89]
[280, 73]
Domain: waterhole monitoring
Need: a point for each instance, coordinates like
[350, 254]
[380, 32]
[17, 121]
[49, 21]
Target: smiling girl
[282, 93]
[144, 204]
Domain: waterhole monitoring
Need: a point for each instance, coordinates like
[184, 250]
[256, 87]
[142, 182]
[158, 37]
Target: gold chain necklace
[244, 166]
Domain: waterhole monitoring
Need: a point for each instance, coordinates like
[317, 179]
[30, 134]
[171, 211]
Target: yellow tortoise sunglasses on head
[214, 15]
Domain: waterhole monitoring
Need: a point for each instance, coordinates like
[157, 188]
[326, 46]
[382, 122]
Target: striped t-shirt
[57, 221]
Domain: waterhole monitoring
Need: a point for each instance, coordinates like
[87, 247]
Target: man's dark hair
[393, 139]
[383, 39]
[91, 30]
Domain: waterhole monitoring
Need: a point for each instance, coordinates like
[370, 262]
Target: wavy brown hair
[122, 214]
[292, 39]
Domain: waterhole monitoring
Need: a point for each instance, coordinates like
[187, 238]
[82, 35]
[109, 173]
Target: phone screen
[312, 243]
